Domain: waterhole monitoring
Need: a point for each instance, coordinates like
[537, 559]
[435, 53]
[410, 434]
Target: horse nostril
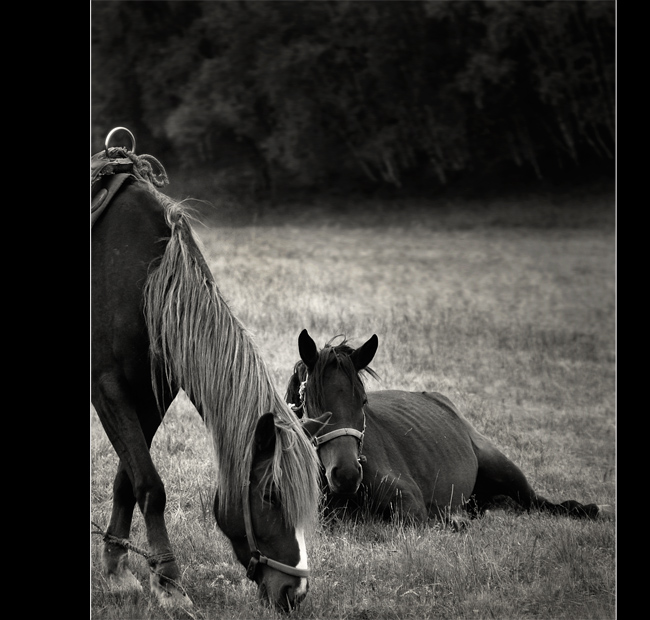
[346, 479]
[288, 598]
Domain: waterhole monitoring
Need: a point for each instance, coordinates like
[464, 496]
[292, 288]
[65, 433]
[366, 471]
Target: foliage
[380, 92]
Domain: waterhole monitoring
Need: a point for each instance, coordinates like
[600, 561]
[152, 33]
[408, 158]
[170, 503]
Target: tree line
[370, 93]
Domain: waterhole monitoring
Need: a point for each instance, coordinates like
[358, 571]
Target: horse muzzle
[344, 479]
[285, 595]
[340, 454]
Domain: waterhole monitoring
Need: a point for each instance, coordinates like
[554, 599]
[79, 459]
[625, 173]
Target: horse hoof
[170, 595]
[606, 512]
[459, 524]
[130, 584]
[174, 600]
[123, 581]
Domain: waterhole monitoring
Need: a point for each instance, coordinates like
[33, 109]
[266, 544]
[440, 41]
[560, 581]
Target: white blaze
[302, 562]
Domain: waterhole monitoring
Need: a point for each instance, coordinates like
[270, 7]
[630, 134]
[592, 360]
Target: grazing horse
[159, 324]
[396, 452]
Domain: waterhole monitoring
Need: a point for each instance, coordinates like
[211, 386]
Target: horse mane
[337, 354]
[198, 344]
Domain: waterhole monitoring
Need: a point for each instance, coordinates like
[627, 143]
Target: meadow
[507, 307]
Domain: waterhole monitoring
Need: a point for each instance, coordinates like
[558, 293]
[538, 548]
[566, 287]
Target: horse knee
[123, 489]
[409, 505]
[151, 496]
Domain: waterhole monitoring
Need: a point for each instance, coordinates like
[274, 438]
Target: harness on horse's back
[110, 168]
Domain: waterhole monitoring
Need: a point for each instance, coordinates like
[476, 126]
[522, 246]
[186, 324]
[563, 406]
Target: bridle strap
[256, 555]
[258, 558]
[319, 440]
[339, 432]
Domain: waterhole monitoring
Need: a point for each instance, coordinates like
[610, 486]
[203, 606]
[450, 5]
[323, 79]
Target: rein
[256, 555]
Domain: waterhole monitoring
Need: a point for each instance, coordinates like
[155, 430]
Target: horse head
[329, 382]
[273, 552]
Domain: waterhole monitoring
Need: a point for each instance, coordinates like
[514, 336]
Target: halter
[319, 440]
[256, 555]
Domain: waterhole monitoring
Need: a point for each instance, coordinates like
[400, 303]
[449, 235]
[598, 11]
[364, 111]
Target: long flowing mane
[198, 344]
[337, 354]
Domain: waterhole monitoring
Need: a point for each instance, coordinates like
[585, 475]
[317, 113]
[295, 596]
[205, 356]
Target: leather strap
[256, 555]
[104, 195]
[353, 432]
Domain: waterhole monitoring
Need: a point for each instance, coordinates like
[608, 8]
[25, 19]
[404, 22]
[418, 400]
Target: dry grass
[515, 323]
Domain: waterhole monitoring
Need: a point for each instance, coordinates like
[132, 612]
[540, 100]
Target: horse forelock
[198, 344]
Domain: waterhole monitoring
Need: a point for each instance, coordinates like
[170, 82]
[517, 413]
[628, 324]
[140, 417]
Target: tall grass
[510, 313]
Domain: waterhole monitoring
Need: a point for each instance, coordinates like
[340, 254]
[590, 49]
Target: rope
[152, 559]
[160, 558]
[143, 165]
[122, 542]
[144, 169]
[301, 390]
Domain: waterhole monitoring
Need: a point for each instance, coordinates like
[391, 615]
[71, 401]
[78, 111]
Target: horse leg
[115, 557]
[410, 504]
[498, 476]
[114, 402]
[397, 499]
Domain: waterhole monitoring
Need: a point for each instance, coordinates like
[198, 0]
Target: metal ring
[110, 134]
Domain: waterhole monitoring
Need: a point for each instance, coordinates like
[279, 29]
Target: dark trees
[374, 92]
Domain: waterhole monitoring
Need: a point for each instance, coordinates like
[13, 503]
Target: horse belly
[449, 486]
[430, 446]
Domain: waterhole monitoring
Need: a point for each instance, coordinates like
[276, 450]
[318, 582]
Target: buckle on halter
[252, 566]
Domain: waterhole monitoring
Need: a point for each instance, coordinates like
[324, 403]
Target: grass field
[507, 308]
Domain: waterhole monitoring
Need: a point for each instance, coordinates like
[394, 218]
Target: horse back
[480, 443]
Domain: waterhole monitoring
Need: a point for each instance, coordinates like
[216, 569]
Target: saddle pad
[102, 195]
[109, 169]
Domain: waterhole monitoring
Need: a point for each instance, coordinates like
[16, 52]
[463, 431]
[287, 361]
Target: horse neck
[239, 391]
[203, 348]
[199, 345]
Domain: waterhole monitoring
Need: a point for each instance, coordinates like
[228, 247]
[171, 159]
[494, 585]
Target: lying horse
[395, 452]
[159, 323]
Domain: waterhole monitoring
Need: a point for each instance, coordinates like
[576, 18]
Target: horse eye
[269, 498]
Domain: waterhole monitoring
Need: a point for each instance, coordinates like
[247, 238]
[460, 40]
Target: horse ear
[364, 354]
[313, 426]
[308, 349]
[264, 439]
